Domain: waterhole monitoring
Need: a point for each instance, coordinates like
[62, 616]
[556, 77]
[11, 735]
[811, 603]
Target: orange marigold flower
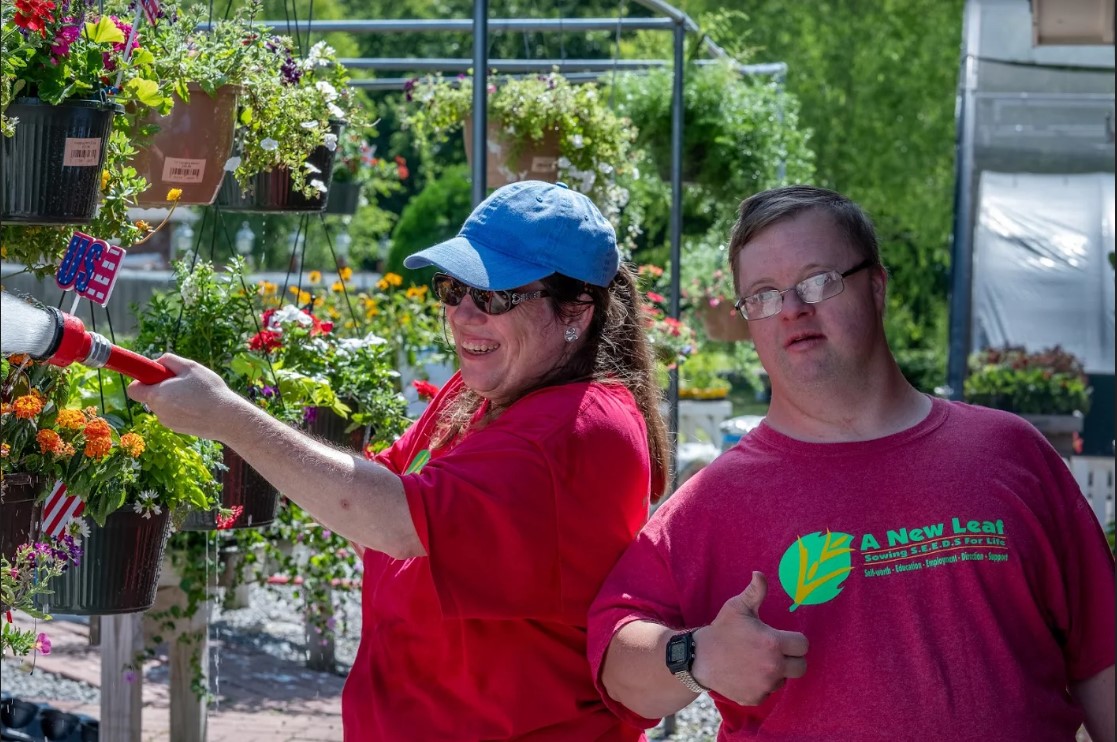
[98, 448]
[98, 428]
[133, 444]
[18, 359]
[28, 406]
[90, 412]
[5, 408]
[49, 441]
[66, 451]
[71, 419]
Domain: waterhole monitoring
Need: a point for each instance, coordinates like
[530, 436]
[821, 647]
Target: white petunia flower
[328, 91]
[335, 110]
[331, 142]
[311, 168]
[232, 164]
[577, 141]
[269, 145]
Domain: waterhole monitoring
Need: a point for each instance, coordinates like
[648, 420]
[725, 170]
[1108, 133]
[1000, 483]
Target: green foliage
[877, 84]
[593, 141]
[287, 110]
[435, 214]
[207, 318]
[24, 581]
[703, 376]
[1049, 382]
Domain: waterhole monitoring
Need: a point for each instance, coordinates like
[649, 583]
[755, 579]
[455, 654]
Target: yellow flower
[416, 292]
[337, 287]
[174, 194]
[394, 279]
[382, 284]
[304, 297]
[28, 406]
[104, 180]
[345, 273]
[293, 289]
[332, 313]
[133, 444]
[319, 301]
[143, 226]
[71, 419]
[5, 450]
[266, 288]
[315, 277]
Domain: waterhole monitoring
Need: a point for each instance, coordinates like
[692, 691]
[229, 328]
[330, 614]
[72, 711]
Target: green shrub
[1049, 382]
[435, 214]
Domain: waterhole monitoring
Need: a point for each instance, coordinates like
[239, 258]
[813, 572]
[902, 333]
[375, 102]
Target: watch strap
[691, 684]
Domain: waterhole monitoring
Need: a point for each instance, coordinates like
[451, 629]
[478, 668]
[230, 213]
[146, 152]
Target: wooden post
[188, 650]
[122, 677]
[321, 647]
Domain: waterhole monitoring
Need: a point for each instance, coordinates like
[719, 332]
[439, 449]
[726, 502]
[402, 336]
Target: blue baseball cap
[526, 231]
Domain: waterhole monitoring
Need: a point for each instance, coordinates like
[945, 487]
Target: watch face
[676, 651]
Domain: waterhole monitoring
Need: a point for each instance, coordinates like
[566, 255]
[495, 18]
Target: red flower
[33, 15]
[225, 522]
[266, 340]
[425, 389]
[657, 298]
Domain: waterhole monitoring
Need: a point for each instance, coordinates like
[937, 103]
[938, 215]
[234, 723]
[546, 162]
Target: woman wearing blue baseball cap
[492, 522]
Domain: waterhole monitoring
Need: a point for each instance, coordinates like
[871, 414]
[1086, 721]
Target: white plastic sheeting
[1042, 275]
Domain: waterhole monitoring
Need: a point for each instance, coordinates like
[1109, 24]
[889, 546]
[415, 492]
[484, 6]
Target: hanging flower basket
[344, 198]
[190, 149]
[50, 170]
[252, 499]
[722, 321]
[19, 514]
[274, 190]
[119, 568]
[534, 161]
[324, 423]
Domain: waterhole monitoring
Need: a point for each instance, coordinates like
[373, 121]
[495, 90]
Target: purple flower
[407, 88]
[310, 415]
[67, 35]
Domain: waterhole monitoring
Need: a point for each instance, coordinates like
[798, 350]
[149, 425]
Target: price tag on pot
[183, 170]
[81, 152]
[89, 267]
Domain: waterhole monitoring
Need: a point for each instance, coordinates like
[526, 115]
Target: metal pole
[480, 98]
[961, 285]
[676, 230]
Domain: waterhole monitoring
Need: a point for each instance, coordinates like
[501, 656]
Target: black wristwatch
[680, 659]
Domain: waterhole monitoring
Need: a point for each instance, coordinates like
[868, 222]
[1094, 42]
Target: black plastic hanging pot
[344, 198]
[119, 568]
[275, 191]
[50, 170]
[241, 487]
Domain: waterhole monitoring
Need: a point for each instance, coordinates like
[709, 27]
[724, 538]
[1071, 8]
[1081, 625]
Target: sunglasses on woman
[451, 291]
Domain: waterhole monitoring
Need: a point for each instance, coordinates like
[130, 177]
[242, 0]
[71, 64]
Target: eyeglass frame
[739, 305]
[483, 298]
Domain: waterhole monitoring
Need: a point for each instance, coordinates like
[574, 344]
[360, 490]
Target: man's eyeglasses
[451, 291]
[811, 290]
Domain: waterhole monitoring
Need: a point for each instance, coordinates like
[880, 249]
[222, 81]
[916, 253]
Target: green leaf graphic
[418, 462]
[813, 568]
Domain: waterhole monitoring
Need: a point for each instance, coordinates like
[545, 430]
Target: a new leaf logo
[418, 462]
[813, 569]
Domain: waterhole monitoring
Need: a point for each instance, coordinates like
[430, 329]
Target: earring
[571, 334]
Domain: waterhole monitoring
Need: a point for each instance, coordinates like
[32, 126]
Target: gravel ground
[272, 623]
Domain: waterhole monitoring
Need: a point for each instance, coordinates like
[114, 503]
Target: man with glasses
[939, 559]
[492, 522]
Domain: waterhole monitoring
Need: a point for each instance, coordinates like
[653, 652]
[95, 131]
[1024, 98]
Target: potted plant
[707, 286]
[211, 319]
[702, 377]
[291, 117]
[65, 75]
[130, 522]
[591, 142]
[1048, 387]
[187, 147]
[359, 172]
